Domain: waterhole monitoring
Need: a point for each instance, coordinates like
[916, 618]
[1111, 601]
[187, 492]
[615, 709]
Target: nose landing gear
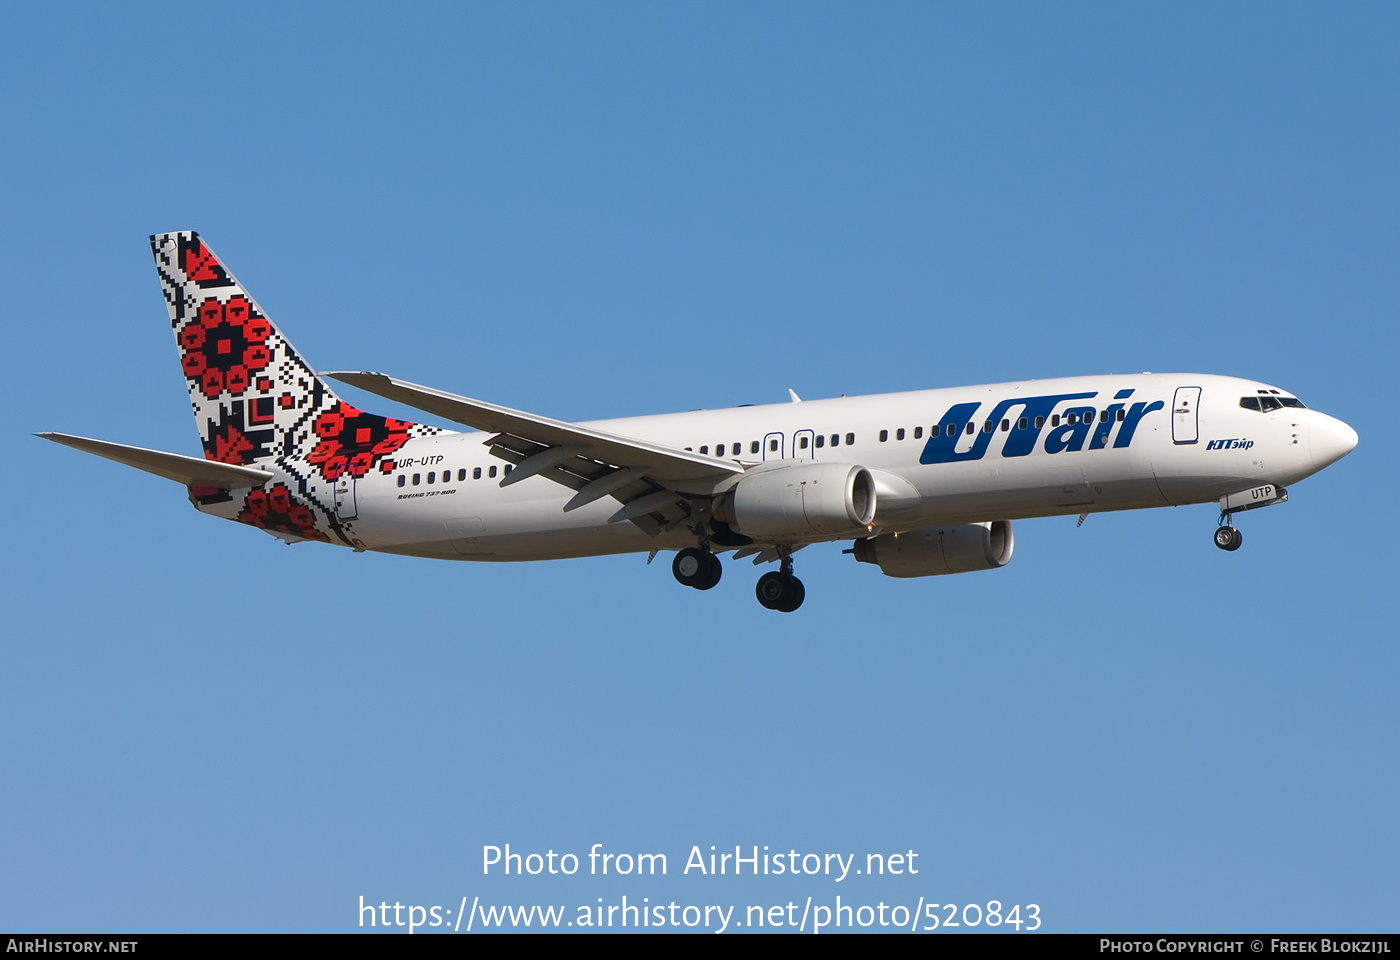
[1263, 495]
[1228, 538]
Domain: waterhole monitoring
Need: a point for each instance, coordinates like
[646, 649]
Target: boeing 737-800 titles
[924, 483]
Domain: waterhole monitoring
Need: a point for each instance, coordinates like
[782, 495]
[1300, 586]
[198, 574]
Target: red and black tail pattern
[256, 402]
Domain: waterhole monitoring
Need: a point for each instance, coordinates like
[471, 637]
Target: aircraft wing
[637, 472]
[191, 471]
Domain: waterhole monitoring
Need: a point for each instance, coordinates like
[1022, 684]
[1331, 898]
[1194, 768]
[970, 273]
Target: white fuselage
[1035, 448]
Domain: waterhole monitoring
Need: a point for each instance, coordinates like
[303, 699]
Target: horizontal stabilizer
[660, 462]
[191, 471]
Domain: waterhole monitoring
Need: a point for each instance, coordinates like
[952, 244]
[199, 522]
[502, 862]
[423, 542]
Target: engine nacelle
[800, 501]
[934, 551]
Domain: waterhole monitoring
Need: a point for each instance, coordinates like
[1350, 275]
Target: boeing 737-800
[924, 483]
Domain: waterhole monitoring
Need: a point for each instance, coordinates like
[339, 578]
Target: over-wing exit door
[773, 446]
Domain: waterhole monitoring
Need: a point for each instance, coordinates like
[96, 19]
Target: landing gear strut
[780, 590]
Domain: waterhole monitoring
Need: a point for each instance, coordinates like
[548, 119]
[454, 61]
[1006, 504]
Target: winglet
[793, 393]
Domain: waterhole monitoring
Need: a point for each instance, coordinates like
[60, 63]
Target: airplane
[924, 483]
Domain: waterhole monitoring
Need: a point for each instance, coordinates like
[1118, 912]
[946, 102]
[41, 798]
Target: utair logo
[1069, 430]
[1231, 444]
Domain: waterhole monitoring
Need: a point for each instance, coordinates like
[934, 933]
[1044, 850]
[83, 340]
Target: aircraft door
[345, 497]
[1185, 421]
[804, 445]
[773, 446]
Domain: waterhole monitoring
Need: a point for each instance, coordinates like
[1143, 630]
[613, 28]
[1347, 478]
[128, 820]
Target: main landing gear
[697, 568]
[780, 590]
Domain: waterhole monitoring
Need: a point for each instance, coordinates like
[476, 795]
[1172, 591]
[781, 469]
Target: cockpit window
[1265, 403]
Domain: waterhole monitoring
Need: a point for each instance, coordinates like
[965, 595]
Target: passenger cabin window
[402, 479]
[971, 428]
[719, 449]
[705, 449]
[821, 440]
[850, 439]
[899, 434]
[476, 473]
[431, 474]
[1039, 422]
[1122, 415]
[884, 435]
[462, 474]
[773, 446]
[491, 472]
[918, 433]
[417, 477]
[1005, 426]
[753, 447]
[802, 442]
[1021, 424]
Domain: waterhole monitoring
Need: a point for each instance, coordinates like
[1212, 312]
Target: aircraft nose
[1330, 439]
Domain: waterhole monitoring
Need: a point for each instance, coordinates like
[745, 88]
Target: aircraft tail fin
[255, 400]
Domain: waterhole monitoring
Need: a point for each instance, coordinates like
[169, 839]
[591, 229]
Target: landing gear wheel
[797, 595]
[780, 591]
[697, 568]
[716, 570]
[1228, 538]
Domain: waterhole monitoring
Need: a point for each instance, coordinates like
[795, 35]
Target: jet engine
[799, 502]
[934, 551]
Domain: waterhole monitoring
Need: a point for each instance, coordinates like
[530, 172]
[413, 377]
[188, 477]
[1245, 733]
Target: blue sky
[595, 211]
